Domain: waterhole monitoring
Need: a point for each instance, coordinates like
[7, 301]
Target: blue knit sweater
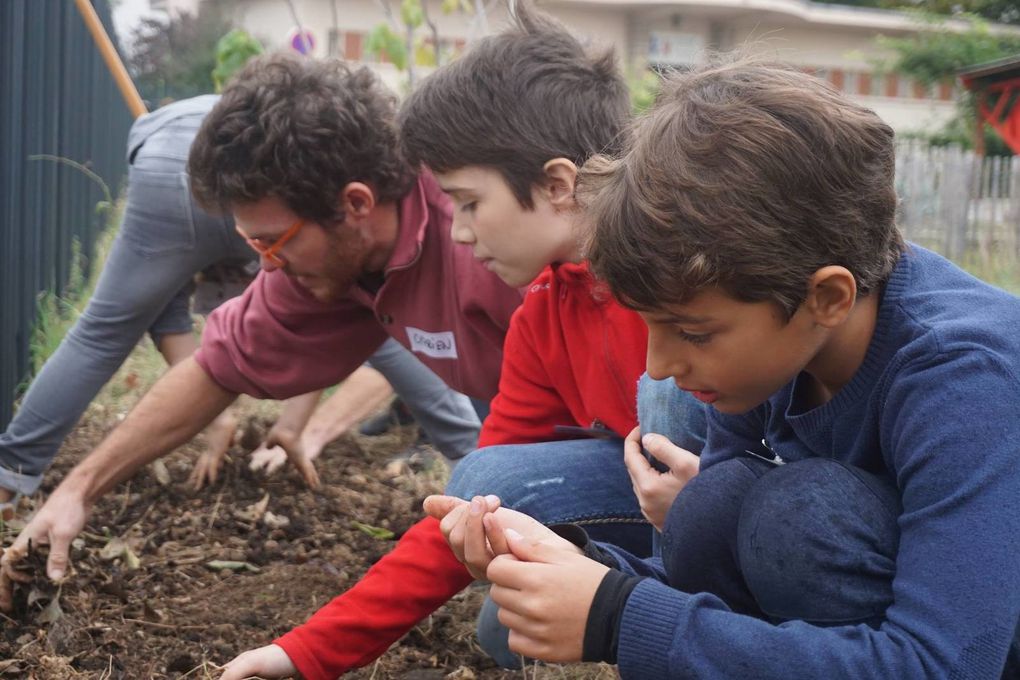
[935, 406]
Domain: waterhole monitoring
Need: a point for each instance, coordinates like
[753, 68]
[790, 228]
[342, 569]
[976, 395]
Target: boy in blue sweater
[857, 509]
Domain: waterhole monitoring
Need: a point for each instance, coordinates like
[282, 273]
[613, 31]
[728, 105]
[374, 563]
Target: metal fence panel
[56, 98]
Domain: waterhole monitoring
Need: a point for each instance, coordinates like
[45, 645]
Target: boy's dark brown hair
[514, 101]
[747, 176]
[298, 129]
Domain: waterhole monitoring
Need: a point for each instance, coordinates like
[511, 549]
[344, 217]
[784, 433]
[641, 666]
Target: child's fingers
[510, 571]
[439, 506]
[514, 620]
[505, 598]
[525, 645]
[476, 549]
[638, 467]
[667, 452]
[494, 532]
[451, 520]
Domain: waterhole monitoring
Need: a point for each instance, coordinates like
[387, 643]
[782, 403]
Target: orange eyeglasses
[270, 252]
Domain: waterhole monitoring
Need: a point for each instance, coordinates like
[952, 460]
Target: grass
[57, 313]
[998, 269]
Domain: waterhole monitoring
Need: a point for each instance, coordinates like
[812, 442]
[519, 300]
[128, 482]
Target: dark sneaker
[396, 414]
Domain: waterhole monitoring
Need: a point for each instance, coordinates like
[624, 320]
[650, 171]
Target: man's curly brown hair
[298, 129]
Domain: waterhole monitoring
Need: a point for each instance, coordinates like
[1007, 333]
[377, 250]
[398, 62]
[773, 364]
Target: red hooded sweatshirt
[572, 357]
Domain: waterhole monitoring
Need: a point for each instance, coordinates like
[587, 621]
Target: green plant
[175, 57]
[935, 54]
[233, 51]
[57, 311]
[644, 88]
[400, 41]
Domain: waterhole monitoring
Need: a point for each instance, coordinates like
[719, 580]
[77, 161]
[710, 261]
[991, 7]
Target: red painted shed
[996, 86]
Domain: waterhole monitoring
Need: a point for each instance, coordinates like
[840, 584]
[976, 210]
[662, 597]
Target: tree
[1002, 11]
[936, 54]
[232, 52]
[400, 41]
[176, 57]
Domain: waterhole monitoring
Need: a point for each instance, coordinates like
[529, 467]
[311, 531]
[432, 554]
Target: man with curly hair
[355, 247]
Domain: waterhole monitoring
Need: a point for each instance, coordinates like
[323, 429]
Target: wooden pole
[112, 59]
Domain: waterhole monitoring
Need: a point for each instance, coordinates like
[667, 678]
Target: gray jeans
[164, 239]
[448, 417]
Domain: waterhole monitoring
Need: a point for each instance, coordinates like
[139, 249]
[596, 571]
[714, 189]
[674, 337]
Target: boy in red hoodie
[504, 129]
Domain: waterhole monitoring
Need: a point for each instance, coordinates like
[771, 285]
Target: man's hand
[290, 442]
[271, 458]
[218, 436]
[656, 490]
[55, 524]
[544, 593]
[265, 662]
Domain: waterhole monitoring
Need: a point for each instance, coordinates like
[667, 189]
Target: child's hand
[461, 524]
[544, 593]
[475, 531]
[265, 662]
[656, 490]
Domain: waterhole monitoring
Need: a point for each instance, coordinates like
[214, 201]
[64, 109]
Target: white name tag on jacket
[441, 345]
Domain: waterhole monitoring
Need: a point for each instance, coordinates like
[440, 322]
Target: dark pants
[813, 540]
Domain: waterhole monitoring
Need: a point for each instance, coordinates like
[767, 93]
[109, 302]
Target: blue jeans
[580, 481]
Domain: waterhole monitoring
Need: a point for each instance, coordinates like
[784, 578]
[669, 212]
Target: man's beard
[346, 255]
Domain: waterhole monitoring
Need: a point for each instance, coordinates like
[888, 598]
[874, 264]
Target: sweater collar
[876, 358]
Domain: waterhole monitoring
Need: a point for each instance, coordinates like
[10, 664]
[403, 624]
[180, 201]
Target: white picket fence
[958, 203]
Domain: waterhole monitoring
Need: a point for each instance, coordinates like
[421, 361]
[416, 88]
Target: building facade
[834, 42]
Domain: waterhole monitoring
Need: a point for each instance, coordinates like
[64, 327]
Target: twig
[25, 646]
[108, 673]
[216, 509]
[77, 166]
[375, 668]
[139, 520]
[166, 626]
[202, 667]
[123, 506]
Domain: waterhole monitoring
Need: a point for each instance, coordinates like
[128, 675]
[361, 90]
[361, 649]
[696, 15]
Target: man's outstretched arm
[177, 407]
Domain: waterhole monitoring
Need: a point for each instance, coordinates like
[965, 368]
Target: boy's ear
[560, 178]
[357, 199]
[832, 292]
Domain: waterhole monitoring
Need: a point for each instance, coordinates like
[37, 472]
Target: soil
[144, 602]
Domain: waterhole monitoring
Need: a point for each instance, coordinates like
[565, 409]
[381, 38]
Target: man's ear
[357, 200]
[560, 178]
[832, 292]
